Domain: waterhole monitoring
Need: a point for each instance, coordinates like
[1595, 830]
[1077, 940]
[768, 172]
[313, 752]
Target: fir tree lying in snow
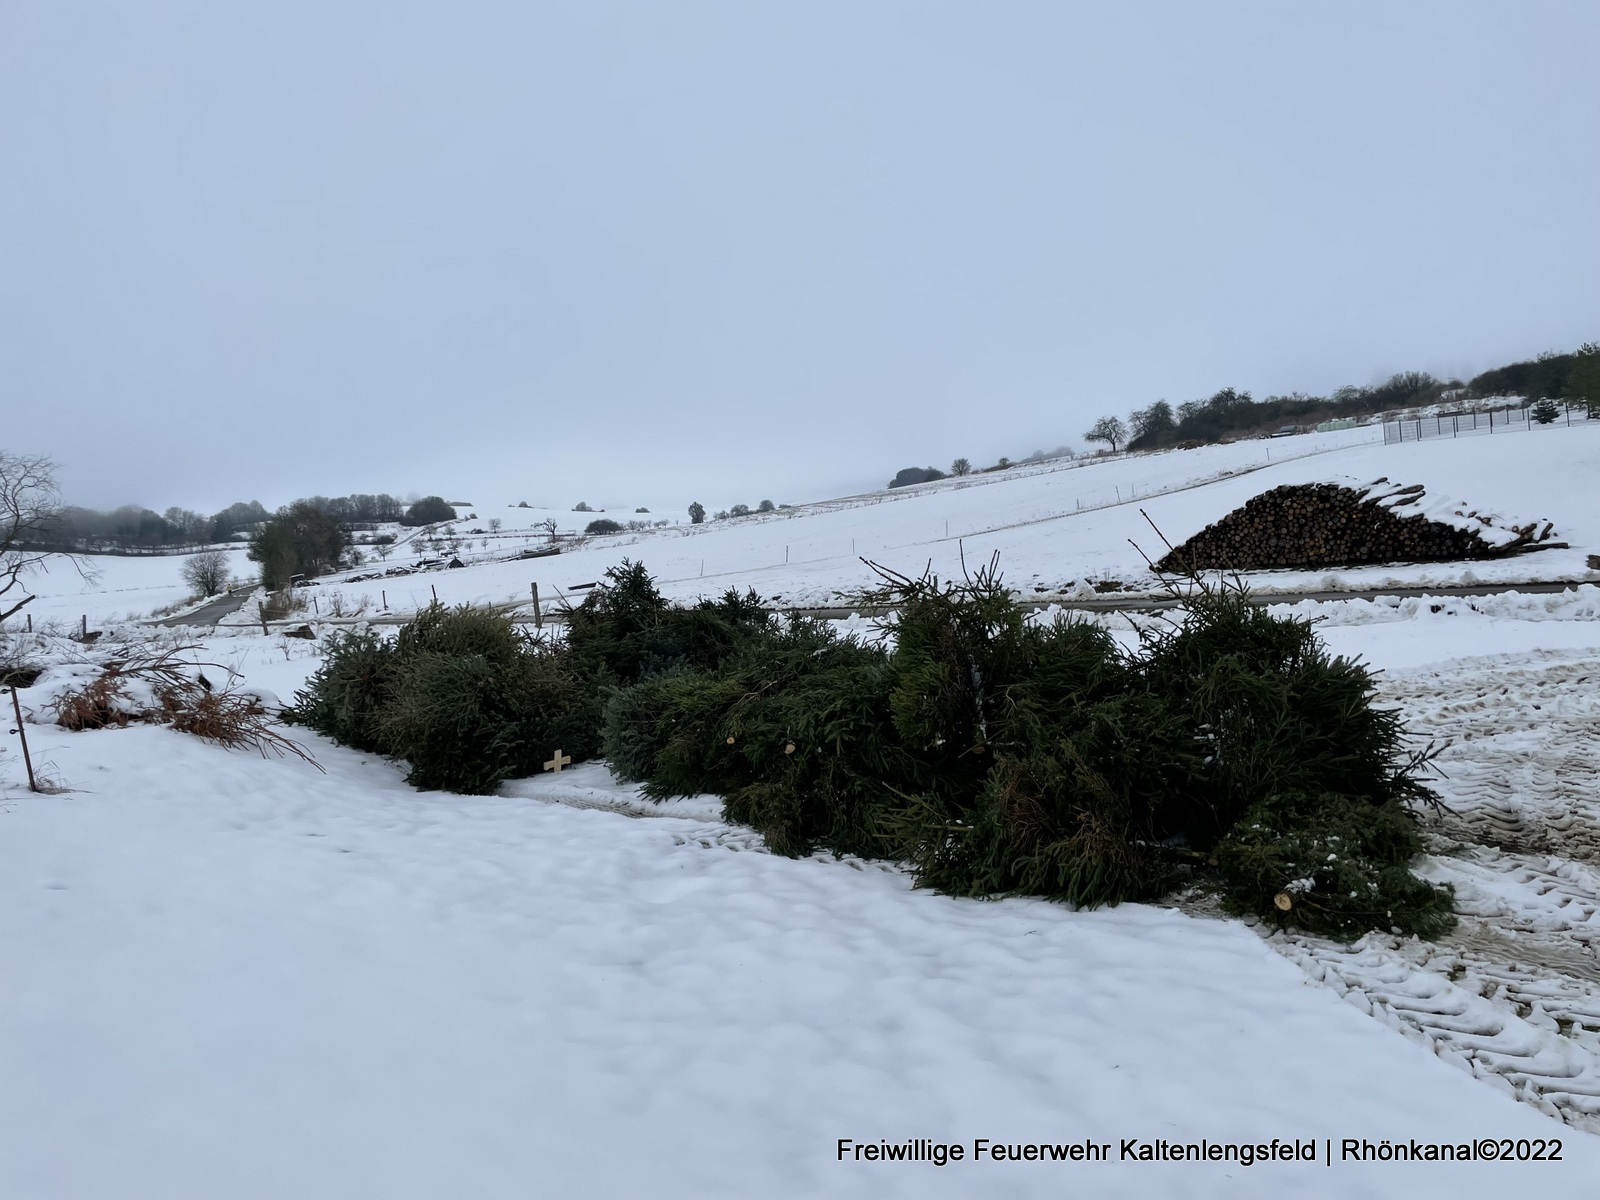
[993, 753]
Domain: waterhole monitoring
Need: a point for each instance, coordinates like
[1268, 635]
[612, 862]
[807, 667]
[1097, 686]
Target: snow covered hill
[229, 976]
[1060, 527]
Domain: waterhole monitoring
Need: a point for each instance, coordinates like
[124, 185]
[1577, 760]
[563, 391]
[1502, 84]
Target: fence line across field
[1496, 420]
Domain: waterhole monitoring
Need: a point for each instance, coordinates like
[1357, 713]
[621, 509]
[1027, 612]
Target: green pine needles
[462, 694]
[993, 753]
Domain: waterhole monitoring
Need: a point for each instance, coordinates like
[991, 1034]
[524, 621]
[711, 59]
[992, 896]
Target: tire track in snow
[1513, 995]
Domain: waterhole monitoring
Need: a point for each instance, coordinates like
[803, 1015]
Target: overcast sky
[649, 253]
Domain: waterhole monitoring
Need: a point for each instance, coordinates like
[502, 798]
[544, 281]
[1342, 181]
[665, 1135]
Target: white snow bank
[235, 977]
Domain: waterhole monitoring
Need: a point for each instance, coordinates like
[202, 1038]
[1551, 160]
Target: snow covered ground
[236, 977]
[1059, 526]
[239, 978]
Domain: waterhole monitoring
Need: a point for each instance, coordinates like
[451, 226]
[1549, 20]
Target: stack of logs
[1326, 525]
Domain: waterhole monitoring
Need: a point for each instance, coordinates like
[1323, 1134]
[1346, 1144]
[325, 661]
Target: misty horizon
[636, 257]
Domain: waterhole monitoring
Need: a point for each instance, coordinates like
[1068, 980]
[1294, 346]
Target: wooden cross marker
[558, 761]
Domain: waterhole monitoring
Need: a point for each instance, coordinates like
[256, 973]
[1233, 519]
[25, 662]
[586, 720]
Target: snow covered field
[237, 977]
[1059, 527]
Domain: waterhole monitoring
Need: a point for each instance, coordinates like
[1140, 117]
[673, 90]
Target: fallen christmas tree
[992, 753]
[1315, 525]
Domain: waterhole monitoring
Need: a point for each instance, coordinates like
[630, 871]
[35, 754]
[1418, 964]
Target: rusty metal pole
[27, 759]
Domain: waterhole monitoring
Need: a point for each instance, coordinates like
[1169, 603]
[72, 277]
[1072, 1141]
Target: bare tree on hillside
[29, 506]
[206, 572]
[1108, 429]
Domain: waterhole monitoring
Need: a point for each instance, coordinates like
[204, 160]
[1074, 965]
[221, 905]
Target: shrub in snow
[910, 475]
[430, 510]
[603, 525]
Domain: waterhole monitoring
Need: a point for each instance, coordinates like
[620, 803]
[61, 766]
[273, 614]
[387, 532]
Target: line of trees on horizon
[134, 529]
[1573, 378]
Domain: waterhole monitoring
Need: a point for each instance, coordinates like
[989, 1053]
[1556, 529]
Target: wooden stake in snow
[538, 617]
[557, 761]
[16, 707]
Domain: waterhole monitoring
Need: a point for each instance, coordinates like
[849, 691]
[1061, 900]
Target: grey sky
[647, 253]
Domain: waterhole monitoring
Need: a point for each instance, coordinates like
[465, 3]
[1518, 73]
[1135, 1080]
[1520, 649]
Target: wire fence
[1462, 424]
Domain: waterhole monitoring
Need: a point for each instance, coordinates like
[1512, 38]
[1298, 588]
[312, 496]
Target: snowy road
[210, 612]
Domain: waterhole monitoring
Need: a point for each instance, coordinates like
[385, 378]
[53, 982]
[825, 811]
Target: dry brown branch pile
[159, 687]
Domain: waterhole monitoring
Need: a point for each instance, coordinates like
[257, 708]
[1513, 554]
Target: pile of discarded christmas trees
[992, 752]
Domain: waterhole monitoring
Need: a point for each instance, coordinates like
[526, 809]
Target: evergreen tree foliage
[625, 629]
[1583, 379]
[997, 756]
[910, 475]
[1331, 863]
[236, 517]
[461, 694]
[992, 753]
[430, 510]
[300, 540]
[345, 695]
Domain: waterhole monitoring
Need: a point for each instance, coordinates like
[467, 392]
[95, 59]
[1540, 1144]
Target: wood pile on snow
[1348, 524]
